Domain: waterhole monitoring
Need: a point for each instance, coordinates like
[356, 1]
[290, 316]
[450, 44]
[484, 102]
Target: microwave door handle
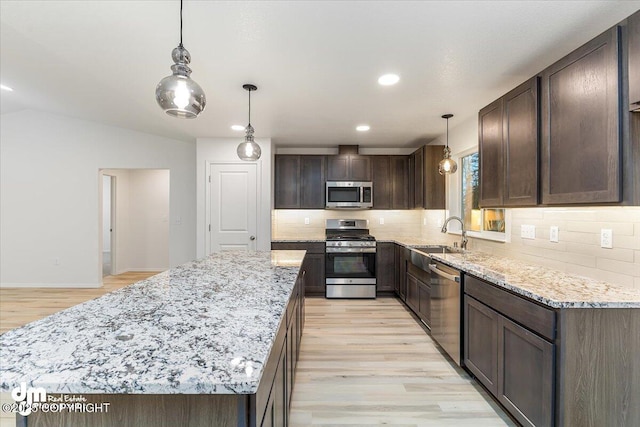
[361, 193]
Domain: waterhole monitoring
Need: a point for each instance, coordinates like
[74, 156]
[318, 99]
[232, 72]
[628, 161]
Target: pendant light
[249, 150]
[178, 95]
[447, 165]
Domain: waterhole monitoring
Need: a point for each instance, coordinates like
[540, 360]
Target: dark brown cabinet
[633, 35]
[385, 266]
[390, 176]
[581, 125]
[424, 302]
[514, 363]
[481, 343]
[348, 167]
[508, 143]
[299, 182]
[426, 185]
[313, 264]
[402, 258]
[413, 293]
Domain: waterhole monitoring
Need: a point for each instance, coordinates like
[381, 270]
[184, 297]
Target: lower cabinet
[313, 264]
[424, 302]
[402, 258]
[413, 296]
[385, 266]
[513, 363]
[273, 398]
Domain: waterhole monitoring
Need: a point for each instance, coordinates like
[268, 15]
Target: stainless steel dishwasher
[445, 308]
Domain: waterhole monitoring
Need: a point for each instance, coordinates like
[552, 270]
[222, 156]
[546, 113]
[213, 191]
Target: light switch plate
[381, 221]
[606, 238]
[306, 221]
[528, 231]
[553, 234]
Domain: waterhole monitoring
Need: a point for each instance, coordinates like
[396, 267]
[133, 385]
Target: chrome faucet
[463, 244]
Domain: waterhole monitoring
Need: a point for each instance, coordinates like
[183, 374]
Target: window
[482, 223]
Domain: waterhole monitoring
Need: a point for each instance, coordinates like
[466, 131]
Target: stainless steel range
[350, 265]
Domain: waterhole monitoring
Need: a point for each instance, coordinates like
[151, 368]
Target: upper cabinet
[581, 125]
[390, 175]
[633, 34]
[299, 182]
[427, 186]
[508, 135]
[349, 167]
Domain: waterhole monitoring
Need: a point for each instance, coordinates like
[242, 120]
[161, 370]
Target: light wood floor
[367, 363]
[19, 306]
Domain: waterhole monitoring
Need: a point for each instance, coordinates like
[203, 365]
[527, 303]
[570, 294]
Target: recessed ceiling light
[363, 128]
[237, 127]
[3, 87]
[389, 79]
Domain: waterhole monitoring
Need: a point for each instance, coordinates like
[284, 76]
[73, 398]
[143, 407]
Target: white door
[233, 206]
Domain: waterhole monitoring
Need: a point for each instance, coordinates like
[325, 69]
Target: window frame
[454, 205]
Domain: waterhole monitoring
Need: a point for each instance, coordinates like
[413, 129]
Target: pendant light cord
[181, 23]
[447, 133]
[249, 107]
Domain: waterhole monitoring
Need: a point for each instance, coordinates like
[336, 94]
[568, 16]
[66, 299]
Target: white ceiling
[315, 63]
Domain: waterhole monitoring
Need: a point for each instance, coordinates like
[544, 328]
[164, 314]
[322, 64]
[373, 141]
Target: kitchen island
[211, 342]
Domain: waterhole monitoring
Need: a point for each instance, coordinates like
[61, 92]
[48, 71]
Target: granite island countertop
[205, 327]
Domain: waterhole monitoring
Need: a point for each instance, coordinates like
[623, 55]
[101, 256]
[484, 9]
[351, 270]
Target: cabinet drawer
[310, 247]
[535, 317]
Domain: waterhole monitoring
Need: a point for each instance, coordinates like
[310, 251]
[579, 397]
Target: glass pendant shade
[178, 95]
[447, 165]
[249, 150]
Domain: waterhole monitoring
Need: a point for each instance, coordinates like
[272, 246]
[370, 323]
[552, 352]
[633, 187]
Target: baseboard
[51, 285]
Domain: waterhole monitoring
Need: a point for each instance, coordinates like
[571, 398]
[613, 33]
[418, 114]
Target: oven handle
[435, 269]
[351, 250]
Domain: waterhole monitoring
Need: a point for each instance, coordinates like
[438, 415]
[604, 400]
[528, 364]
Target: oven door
[359, 264]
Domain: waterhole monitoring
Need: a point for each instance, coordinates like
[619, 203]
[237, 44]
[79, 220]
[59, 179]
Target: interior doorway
[108, 207]
[134, 221]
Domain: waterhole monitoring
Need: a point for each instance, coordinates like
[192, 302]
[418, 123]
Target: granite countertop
[205, 327]
[548, 286]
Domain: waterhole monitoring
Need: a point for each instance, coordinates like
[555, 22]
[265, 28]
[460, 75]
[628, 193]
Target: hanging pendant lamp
[249, 150]
[178, 95]
[447, 165]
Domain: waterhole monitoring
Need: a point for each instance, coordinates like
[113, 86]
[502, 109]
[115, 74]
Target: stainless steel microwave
[349, 195]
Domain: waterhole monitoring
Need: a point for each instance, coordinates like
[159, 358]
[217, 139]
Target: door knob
[252, 238]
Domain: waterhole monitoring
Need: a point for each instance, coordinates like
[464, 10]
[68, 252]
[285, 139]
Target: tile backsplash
[577, 251]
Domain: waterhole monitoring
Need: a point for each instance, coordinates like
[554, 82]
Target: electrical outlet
[553, 234]
[381, 221]
[424, 221]
[606, 238]
[528, 231]
[306, 221]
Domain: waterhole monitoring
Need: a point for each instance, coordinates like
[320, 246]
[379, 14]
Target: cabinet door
[424, 302]
[525, 374]
[269, 416]
[360, 168]
[434, 183]
[382, 182]
[385, 266]
[413, 296]
[399, 171]
[287, 182]
[520, 131]
[418, 178]
[338, 168]
[581, 126]
[314, 277]
[481, 342]
[312, 182]
[490, 150]
[279, 391]
[633, 35]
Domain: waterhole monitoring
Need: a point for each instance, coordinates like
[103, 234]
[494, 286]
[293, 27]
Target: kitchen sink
[437, 249]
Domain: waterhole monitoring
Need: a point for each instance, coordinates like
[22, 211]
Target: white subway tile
[625, 228]
[605, 276]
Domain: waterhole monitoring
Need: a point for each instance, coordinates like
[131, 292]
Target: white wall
[50, 195]
[224, 150]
